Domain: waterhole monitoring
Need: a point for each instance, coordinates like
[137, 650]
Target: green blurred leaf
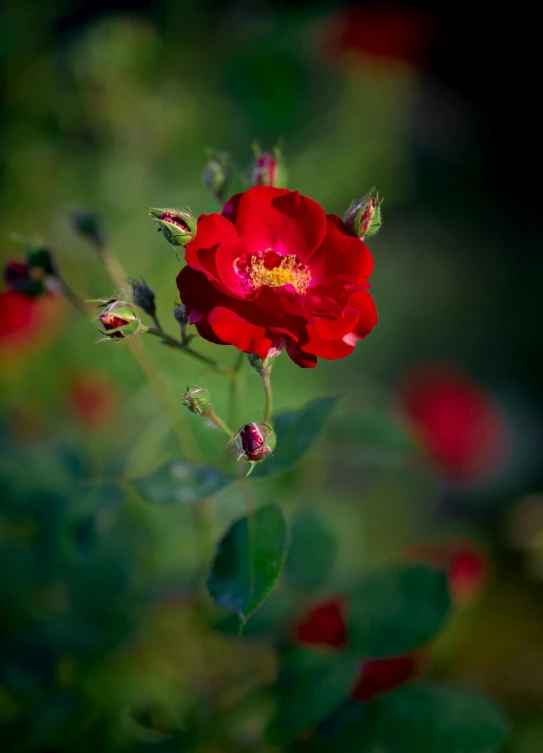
[296, 431]
[248, 561]
[311, 685]
[397, 610]
[422, 718]
[181, 483]
[377, 430]
[312, 553]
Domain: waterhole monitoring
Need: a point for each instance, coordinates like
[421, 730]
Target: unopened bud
[18, 276]
[363, 218]
[86, 223]
[270, 170]
[255, 442]
[198, 400]
[143, 296]
[180, 314]
[41, 258]
[217, 174]
[119, 320]
[178, 226]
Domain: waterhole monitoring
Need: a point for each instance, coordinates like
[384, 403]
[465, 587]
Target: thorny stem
[265, 376]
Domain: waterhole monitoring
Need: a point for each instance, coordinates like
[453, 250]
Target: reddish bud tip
[270, 170]
[119, 320]
[254, 442]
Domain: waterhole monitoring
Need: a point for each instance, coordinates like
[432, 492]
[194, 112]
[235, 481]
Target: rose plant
[272, 272]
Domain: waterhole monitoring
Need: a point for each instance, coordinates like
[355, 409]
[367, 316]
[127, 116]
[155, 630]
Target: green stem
[220, 368]
[266, 381]
[217, 420]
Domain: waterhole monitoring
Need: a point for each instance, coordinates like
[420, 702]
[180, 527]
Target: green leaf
[311, 685]
[181, 483]
[296, 431]
[312, 553]
[422, 718]
[248, 561]
[397, 610]
[380, 431]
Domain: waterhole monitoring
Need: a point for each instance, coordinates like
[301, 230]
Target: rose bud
[181, 317]
[270, 170]
[255, 442]
[18, 276]
[178, 226]
[86, 223]
[198, 400]
[363, 217]
[217, 174]
[263, 366]
[119, 320]
[40, 258]
[143, 296]
[180, 314]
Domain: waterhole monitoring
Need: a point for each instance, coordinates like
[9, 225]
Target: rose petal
[280, 220]
[340, 255]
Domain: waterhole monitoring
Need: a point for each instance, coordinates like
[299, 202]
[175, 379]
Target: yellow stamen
[289, 272]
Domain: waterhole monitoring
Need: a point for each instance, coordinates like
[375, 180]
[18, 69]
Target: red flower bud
[363, 217]
[119, 320]
[270, 170]
[178, 226]
[255, 442]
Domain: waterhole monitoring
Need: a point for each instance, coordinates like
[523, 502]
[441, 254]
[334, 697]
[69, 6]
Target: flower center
[274, 270]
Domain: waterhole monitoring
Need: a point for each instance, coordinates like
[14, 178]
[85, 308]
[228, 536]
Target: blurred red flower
[468, 566]
[323, 624]
[460, 424]
[380, 675]
[93, 399]
[26, 322]
[384, 31]
[274, 270]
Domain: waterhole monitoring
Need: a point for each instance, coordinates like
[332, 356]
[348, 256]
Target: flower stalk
[265, 375]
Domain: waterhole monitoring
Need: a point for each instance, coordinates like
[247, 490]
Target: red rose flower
[468, 566]
[273, 269]
[323, 624]
[459, 422]
[93, 399]
[381, 675]
[386, 32]
[27, 322]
